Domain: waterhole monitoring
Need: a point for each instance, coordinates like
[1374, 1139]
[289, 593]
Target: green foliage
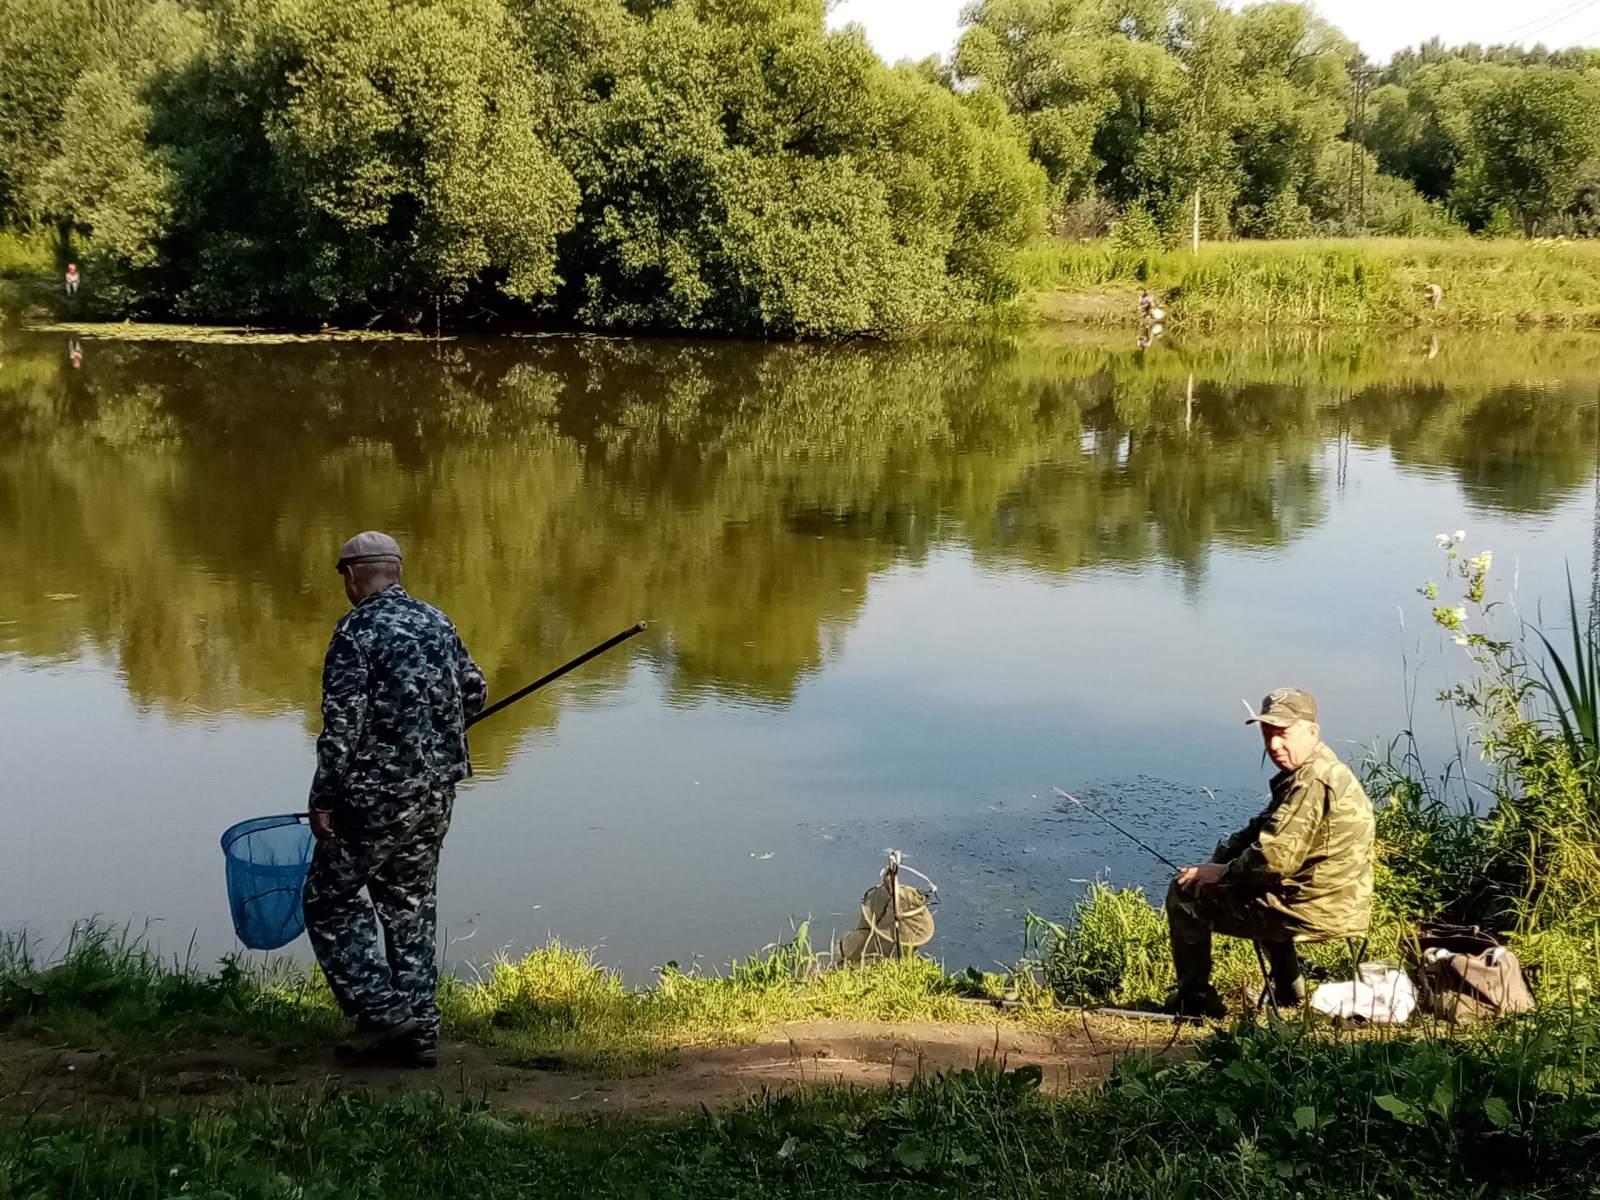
[26, 253]
[107, 989]
[43, 47]
[1506, 145]
[1113, 952]
[1515, 1107]
[1572, 687]
[747, 171]
[1433, 857]
[1137, 230]
[1542, 835]
[1147, 104]
[558, 1004]
[1534, 128]
[358, 159]
[709, 167]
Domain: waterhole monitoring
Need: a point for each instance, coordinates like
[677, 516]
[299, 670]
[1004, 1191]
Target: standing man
[1301, 871]
[398, 688]
[72, 279]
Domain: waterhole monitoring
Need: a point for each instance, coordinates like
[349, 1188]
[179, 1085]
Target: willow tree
[745, 170]
[366, 158]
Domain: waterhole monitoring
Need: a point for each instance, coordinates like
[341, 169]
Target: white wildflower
[1461, 535]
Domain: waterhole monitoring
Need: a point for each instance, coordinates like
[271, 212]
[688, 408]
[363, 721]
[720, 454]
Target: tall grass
[1330, 281]
[1572, 687]
[107, 988]
[26, 253]
[558, 1006]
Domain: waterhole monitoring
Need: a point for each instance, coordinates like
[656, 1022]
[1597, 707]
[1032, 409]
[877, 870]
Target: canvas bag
[1466, 976]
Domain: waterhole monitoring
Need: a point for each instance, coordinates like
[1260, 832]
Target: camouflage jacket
[1312, 849]
[397, 689]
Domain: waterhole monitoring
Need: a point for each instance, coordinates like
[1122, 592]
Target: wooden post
[1197, 220]
[891, 879]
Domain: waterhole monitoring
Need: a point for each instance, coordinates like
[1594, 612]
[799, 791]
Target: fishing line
[1148, 849]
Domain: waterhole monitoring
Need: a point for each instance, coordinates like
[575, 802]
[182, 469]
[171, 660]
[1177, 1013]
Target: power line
[1555, 18]
[1593, 33]
[1561, 21]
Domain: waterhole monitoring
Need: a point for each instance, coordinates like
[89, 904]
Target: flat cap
[1284, 707]
[369, 547]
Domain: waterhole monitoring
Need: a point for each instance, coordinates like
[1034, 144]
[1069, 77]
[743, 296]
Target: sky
[917, 28]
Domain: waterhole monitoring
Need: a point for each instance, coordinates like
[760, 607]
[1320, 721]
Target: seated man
[1301, 871]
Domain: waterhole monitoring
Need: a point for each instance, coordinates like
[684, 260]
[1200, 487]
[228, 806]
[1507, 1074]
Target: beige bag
[1465, 976]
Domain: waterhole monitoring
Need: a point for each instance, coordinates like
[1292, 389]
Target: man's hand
[1194, 878]
[322, 826]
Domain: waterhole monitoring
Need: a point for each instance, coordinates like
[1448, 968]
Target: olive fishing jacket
[398, 688]
[1311, 851]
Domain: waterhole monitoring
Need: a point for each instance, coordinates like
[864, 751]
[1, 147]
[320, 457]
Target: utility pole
[1197, 220]
[1356, 198]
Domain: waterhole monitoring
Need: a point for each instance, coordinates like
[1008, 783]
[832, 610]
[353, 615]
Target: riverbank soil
[785, 1058]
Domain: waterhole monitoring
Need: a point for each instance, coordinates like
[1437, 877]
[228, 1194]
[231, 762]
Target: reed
[1365, 282]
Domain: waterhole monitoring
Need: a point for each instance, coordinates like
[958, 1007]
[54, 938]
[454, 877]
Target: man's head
[369, 563]
[1289, 729]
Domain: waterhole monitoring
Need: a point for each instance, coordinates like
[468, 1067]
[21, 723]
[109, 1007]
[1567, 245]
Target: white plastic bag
[1380, 994]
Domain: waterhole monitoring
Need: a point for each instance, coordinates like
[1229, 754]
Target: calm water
[895, 593]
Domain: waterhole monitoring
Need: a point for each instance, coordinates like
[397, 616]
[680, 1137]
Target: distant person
[398, 688]
[72, 279]
[1301, 871]
[1435, 294]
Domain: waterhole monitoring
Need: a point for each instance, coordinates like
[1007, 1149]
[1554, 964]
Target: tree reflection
[177, 507]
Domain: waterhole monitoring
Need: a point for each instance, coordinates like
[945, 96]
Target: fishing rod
[537, 684]
[1147, 849]
[560, 671]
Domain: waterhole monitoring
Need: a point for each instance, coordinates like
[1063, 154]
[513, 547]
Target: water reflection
[176, 507]
[1062, 541]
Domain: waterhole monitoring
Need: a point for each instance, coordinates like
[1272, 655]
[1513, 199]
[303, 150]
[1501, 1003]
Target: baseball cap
[1283, 707]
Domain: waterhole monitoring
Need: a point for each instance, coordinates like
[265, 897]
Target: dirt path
[789, 1056]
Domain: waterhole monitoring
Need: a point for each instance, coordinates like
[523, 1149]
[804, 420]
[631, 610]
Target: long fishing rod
[541, 681]
[560, 671]
[1147, 849]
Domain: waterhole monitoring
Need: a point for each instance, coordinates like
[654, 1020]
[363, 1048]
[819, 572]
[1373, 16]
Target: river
[896, 593]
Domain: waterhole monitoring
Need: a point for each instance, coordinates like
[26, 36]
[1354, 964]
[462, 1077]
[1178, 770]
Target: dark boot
[1196, 1004]
[1288, 983]
[375, 1043]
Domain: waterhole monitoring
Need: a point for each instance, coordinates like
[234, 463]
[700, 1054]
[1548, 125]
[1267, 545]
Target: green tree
[42, 49]
[1535, 129]
[1149, 103]
[360, 159]
[745, 170]
[104, 183]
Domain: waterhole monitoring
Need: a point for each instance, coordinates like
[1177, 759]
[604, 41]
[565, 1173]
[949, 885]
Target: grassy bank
[1258, 1112]
[555, 1003]
[1333, 282]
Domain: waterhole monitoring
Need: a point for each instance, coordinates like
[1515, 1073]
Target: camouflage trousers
[1233, 912]
[394, 854]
